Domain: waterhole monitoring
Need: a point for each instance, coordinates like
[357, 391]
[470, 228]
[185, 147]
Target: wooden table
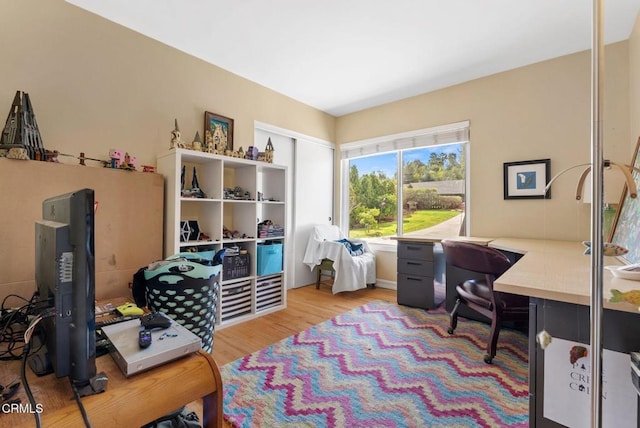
[127, 402]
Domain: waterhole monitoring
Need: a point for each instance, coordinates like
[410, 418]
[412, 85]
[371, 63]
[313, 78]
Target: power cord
[23, 368]
[13, 322]
[23, 377]
[25, 353]
[83, 411]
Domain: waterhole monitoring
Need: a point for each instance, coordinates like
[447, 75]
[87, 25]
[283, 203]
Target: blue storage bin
[269, 258]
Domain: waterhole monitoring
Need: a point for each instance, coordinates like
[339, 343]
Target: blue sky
[387, 162]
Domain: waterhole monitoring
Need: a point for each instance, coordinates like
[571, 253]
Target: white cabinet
[236, 196]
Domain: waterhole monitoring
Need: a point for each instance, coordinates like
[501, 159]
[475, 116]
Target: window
[409, 184]
[373, 201]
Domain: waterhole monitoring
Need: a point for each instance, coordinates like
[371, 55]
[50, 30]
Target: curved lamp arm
[626, 170]
[555, 177]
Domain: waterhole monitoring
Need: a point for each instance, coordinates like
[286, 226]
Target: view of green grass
[418, 220]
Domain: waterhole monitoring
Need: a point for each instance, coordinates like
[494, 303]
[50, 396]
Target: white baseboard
[383, 283]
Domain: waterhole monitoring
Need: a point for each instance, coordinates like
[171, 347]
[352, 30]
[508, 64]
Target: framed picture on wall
[626, 225]
[527, 179]
[218, 132]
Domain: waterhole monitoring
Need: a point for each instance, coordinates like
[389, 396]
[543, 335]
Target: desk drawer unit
[415, 274]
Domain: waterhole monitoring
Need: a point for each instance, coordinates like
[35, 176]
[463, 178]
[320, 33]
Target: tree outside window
[432, 193]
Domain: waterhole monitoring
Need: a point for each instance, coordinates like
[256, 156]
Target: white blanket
[351, 272]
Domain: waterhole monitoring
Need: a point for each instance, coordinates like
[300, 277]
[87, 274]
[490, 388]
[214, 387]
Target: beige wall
[96, 85]
[534, 112]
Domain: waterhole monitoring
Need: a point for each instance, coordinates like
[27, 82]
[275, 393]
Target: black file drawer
[416, 291]
[415, 267]
[415, 250]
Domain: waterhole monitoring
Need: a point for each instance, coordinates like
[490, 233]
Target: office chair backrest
[476, 258]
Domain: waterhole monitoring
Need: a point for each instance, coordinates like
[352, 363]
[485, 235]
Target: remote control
[155, 320]
[144, 338]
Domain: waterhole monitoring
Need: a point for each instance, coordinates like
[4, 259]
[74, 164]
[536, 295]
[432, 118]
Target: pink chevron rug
[381, 365]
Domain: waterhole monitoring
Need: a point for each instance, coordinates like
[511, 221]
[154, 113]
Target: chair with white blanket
[353, 263]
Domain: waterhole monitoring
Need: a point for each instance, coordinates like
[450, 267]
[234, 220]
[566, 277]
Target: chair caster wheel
[450, 330]
[488, 359]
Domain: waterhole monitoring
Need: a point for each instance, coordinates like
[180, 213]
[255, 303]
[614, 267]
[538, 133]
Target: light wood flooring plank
[306, 307]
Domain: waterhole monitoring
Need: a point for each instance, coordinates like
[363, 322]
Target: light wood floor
[306, 307]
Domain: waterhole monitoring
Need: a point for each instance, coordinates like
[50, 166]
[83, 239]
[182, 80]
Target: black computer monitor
[65, 279]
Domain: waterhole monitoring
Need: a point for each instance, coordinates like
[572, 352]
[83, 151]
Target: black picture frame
[218, 129]
[527, 179]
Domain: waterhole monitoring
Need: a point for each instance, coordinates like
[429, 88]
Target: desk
[127, 402]
[556, 277]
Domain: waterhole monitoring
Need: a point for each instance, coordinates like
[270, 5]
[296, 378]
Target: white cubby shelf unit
[262, 197]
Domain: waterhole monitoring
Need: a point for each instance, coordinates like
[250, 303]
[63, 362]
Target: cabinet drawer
[415, 267]
[415, 250]
[416, 291]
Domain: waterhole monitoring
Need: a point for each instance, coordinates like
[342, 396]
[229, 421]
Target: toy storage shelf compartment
[235, 300]
[269, 292]
[222, 200]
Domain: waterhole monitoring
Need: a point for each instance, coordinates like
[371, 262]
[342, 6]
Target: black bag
[181, 418]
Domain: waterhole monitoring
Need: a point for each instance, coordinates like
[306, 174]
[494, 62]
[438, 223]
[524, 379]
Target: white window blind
[445, 134]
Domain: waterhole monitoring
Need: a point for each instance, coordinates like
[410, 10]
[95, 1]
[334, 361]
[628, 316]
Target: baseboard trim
[383, 283]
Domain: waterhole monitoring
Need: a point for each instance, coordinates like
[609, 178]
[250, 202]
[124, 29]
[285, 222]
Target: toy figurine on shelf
[268, 151]
[130, 162]
[116, 157]
[197, 142]
[195, 191]
[176, 138]
[219, 135]
[122, 161]
[20, 138]
[49, 156]
[252, 153]
[208, 142]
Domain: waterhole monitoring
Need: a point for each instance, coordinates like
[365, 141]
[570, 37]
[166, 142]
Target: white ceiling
[342, 56]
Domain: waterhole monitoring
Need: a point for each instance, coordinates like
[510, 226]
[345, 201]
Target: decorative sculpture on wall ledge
[176, 138]
[21, 137]
[268, 151]
[252, 153]
[216, 141]
[267, 155]
[197, 142]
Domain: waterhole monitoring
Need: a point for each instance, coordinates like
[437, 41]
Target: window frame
[399, 143]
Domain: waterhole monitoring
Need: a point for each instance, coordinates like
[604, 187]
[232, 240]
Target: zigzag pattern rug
[381, 365]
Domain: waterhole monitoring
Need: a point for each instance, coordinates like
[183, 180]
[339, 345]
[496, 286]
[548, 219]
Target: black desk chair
[479, 295]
